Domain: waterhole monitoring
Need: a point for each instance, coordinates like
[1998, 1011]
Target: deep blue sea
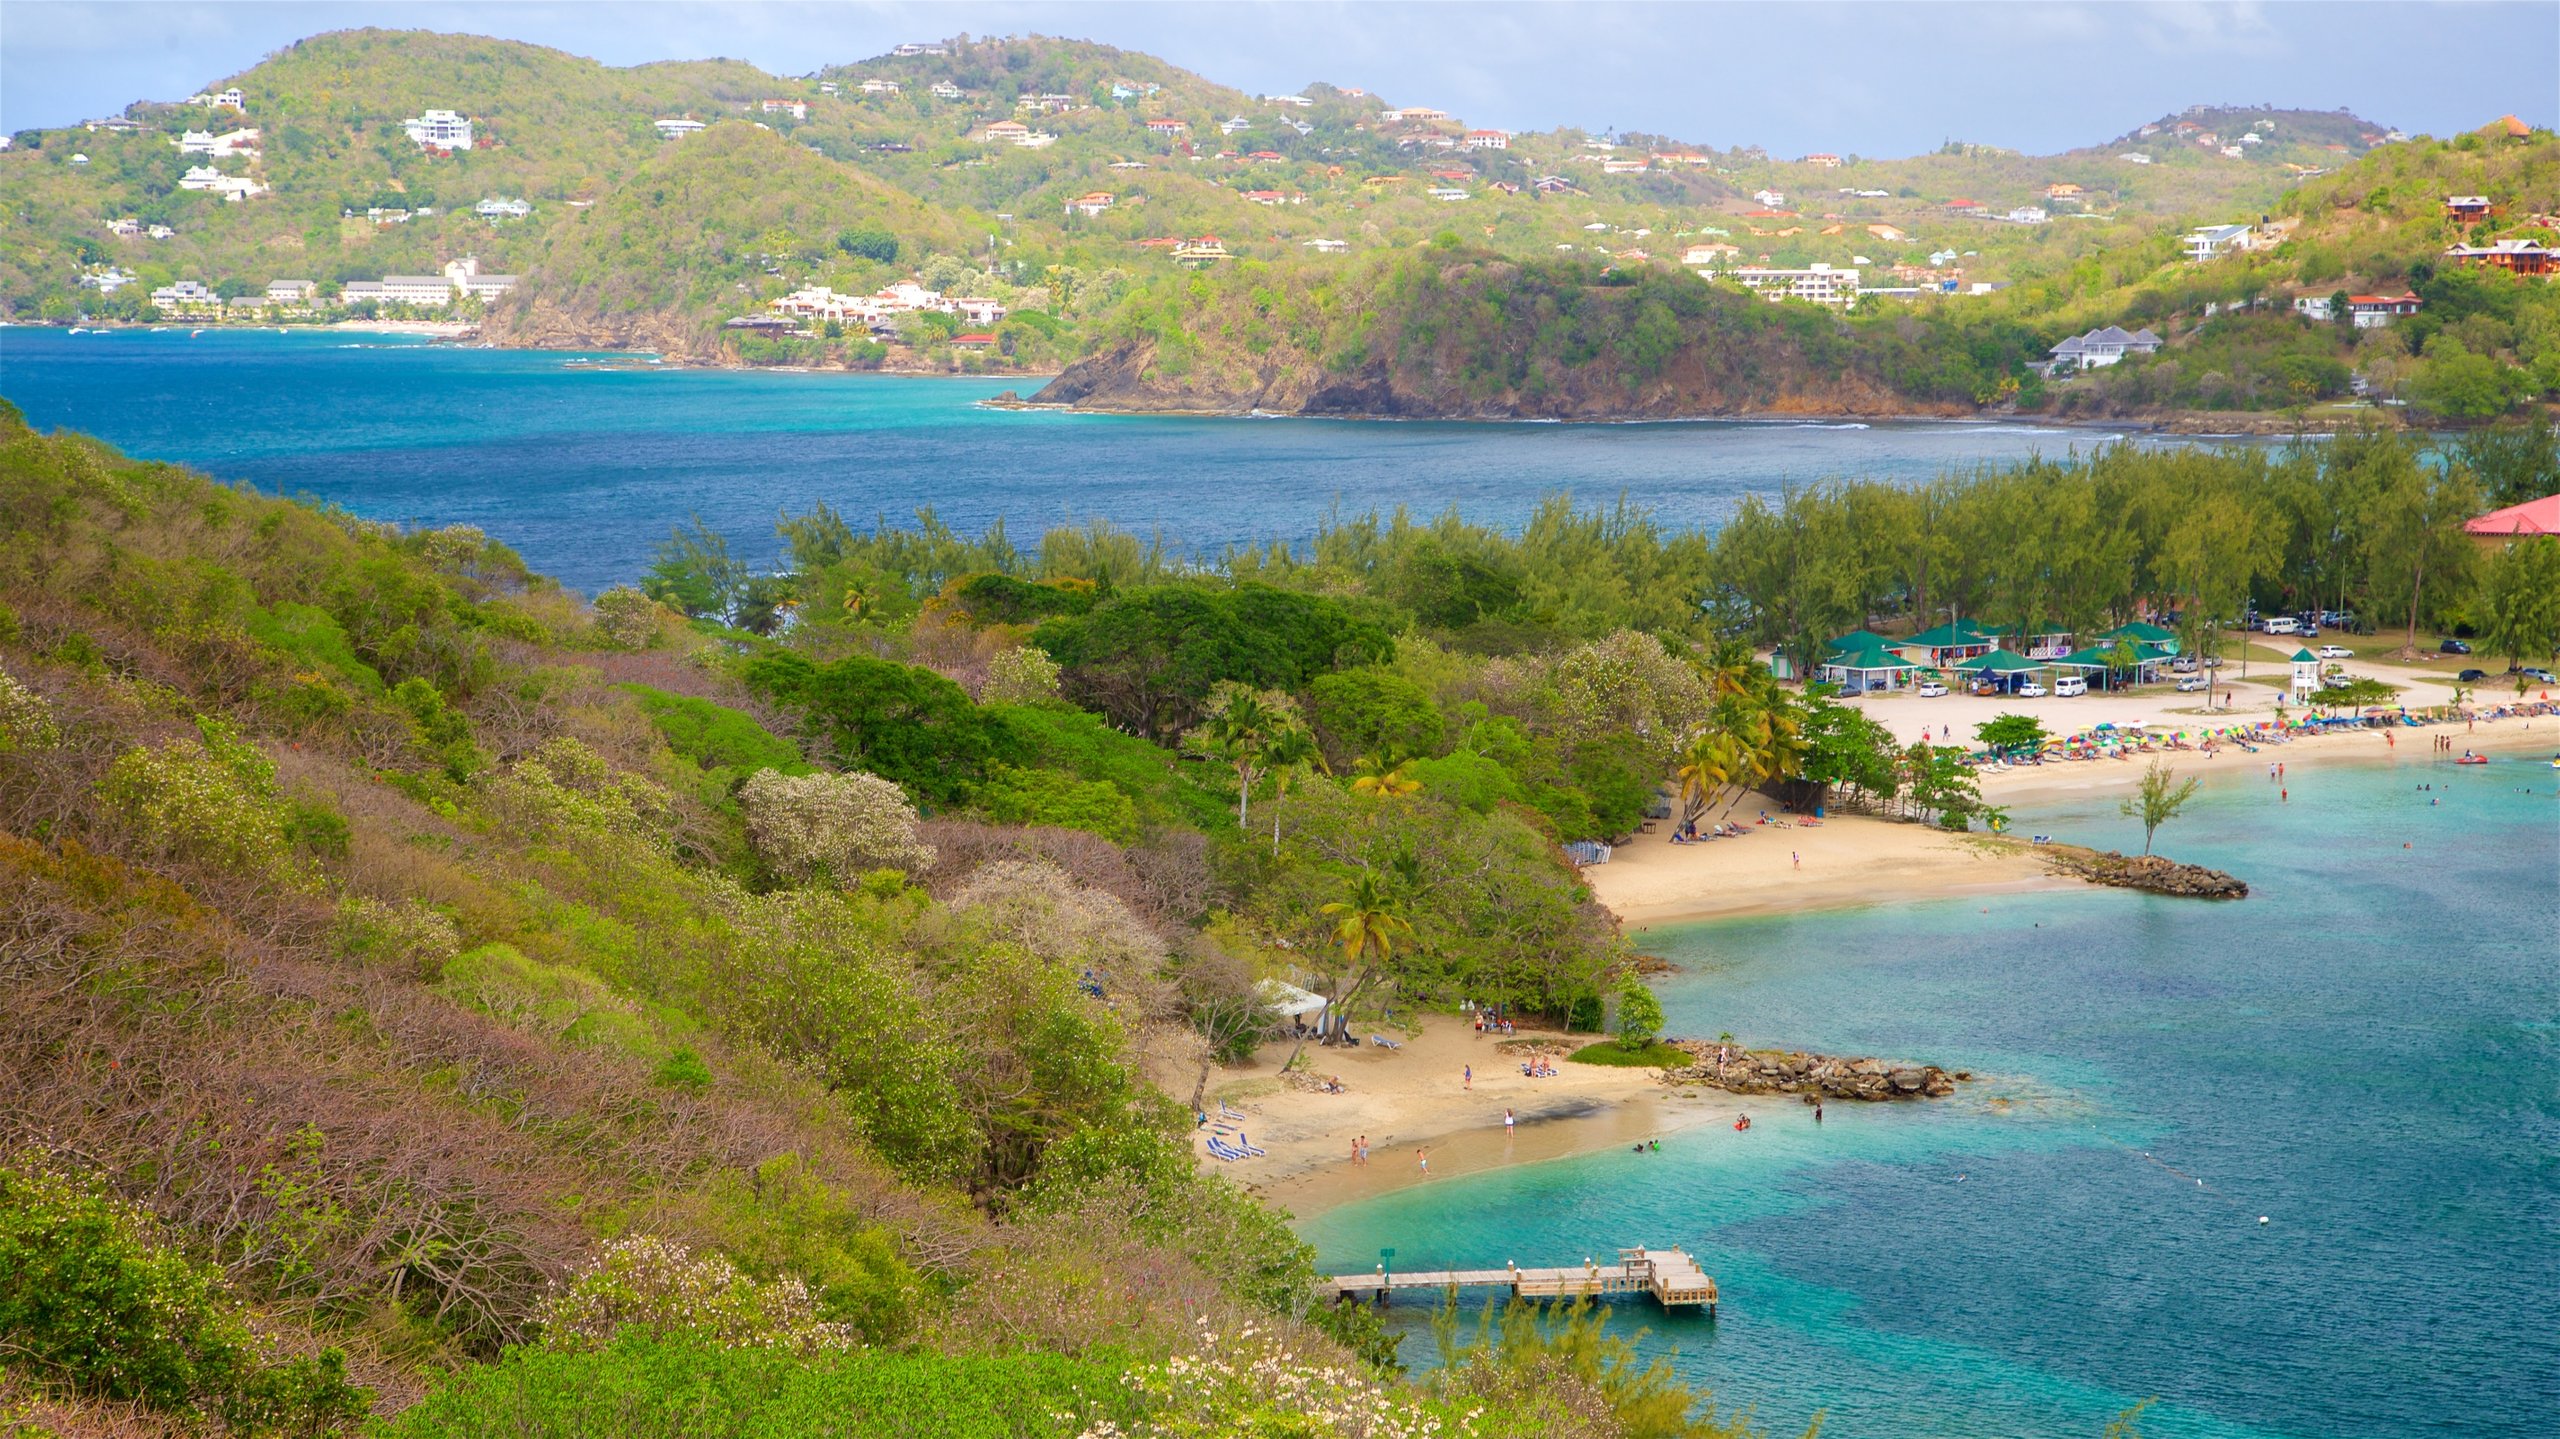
[584, 466]
[2366, 1051]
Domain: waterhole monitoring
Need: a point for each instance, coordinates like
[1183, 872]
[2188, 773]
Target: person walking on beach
[1423, 1158]
[1817, 1111]
[1507, 1124]
[1471, 1076]
[1798, 858]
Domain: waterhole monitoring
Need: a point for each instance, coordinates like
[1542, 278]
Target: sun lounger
[1382, 1042]
[1226, 1112]
[1225, 1151]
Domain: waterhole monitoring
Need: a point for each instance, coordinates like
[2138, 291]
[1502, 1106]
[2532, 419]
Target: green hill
[964, 164]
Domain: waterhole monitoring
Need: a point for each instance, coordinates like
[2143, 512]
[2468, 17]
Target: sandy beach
[1418, 1097]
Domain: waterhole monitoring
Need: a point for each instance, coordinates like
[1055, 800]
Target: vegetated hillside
[422, 992]
[691, 234]
[550, 128]
[1454, 331]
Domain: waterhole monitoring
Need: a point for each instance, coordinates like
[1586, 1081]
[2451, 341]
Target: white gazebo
[2306, 674]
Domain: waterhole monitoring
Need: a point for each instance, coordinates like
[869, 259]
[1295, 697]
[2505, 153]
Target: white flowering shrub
[1024, 675]
[832, 825]
[1628, 682]
[567, 785]
[407, 936]
[26, 721]
[1252, 1386]
[212, 800]
[629, 618]
[1033, 903]
[648, 1284]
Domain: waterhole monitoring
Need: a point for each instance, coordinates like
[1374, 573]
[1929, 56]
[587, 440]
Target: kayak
[2473, 759]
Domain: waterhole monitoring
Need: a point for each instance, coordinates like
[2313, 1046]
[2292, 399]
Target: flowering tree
[1023, 675]
[628, 617]
[26, 721]
[658, 1287]
[834, 825]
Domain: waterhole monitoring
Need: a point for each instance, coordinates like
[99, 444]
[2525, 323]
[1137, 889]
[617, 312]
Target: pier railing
[1669, 1275]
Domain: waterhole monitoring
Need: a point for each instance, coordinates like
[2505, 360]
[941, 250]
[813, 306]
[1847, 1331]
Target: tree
[2520, 594]
[2011, 734]
[2413, 527]
[1367, 922]
[2514, 463]
[908, 725]
[695, 572]
[1374, 711]
[1708, 762]
[831, 826]
[1241, 728]
[2158, 800]
[1639, 1014]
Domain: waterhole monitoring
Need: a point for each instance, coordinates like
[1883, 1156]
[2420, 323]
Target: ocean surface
[583, 463]
[2363, 1052]
[2366, 1051]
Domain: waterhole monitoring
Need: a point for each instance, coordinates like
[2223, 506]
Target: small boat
[2473, 759]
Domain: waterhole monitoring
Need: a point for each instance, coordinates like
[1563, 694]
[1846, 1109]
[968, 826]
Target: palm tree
[1708, 761]
[1367, 921]
[1292, 753]
[1242, 733]
[1379, 780]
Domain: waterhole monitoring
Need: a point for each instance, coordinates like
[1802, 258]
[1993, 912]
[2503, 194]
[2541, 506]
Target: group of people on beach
[1488, 1021]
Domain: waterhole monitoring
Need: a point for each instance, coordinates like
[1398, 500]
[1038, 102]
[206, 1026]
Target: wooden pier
[1673, 1279]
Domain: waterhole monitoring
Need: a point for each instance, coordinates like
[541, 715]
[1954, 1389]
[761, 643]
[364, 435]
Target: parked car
[2539, 675]
[2031, 691]
[2184, 664]
[2070, 686]
[2192, 683]
[2470, 677]
[2334, 652]
[2212, 662]
[2454, 647]
[2281, 625]
[1931, 689]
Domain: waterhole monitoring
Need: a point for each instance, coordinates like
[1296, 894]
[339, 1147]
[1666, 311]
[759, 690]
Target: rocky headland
[2148, 872]
[1737, 1070]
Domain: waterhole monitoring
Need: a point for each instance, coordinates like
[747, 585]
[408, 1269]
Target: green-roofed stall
[1865, 664]
[2007, 667]
[2142, 632]
[2102, 664]
[1948, 643]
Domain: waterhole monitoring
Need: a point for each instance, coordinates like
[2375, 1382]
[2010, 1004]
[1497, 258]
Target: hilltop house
[501, 208]
[2467, 208]
[1275, 197]
[2522, 257]
[1821, 162]
[1012, 131]
[879, 87]
[1328, 247]
[124, 229]
[945, 90]
[1447, 194]
[676, 127]
[796, 109]
[911, 50]
[1771, 198]
[1202, 250]
[2369, 312]
[439, 130]
[1488, 139]
[1708, 254]
[977, 342]
[1630, 166]
[195, 142]
[1171, 127]
[978, 310]
[1295, 102]
[1553, 185]
[1092, 204]
[1819, 283]
[292, 292]
[2134, 157]
[2103, 347]
[2211, 241]
[2027, 215]
[232, 188]
[2062, 190]
[108, 280]
[231, 97]
[1234, 124]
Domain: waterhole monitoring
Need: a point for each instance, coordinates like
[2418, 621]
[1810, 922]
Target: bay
[583, 463]
[2366, 1051]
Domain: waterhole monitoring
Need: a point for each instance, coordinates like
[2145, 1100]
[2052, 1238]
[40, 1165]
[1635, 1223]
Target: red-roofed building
[1488, 139]
[2500, 528]
[1964, 204]
[972, 342]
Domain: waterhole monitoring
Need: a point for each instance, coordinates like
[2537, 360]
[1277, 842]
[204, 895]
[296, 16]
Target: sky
[1880, 79]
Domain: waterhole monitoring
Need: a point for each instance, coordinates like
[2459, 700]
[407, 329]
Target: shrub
[831, 825]
[26, 721]
[92, 1299]
[1046, 797]
[628, 618]
[1023, 675]
[1639, 1014]
[663, 1289]
[211, 801]
[407, 936]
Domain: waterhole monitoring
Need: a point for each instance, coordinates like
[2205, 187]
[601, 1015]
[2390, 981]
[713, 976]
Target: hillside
[1091, 193]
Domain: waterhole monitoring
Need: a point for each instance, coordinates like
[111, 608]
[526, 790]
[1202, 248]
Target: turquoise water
[584, 467]
[2364, 1051]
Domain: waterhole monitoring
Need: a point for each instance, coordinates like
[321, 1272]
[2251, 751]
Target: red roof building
[2517, 522]
[972, 342]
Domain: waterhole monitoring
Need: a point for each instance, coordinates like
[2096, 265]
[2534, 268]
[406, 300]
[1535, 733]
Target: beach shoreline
[1419, 1098]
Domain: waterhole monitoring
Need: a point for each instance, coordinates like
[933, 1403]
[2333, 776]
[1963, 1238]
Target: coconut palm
[1708, 761]
[1367, 922]
[1379, 780]
[1293, 753]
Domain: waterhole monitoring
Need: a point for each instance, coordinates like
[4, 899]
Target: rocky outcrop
[1822, 1076]
[2145, 872]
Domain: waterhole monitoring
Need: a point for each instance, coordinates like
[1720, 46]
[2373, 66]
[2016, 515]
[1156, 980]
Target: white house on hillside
[2103, 347]
[439, 130]
[2208, 241]
[1822, 284]
[676, 127]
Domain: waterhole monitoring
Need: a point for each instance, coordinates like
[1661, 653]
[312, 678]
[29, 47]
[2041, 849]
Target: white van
[2283, 625]
[2070, 685]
